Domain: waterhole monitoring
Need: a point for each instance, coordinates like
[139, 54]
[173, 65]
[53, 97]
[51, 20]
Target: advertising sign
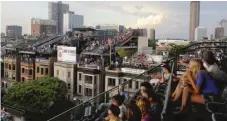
[66, 54]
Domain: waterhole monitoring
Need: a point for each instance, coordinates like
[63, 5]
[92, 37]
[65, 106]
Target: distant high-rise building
[211, 37]
[219, 32]
[200, 33]
[139, 32]
[43, 27]
[2, 34]
[119, 28]
[13, 31]
[223, 23]
[71, 21]
[55, 12]
[194, 18]
[152, 34]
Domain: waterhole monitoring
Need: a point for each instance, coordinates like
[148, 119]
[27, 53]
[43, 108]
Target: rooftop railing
[88, 107]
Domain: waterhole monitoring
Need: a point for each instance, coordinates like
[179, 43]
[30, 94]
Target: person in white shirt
[210, 65]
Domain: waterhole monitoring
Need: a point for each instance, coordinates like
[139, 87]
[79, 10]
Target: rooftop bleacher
[86, 110]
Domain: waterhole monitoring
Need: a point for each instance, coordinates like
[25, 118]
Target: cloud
[148, 22]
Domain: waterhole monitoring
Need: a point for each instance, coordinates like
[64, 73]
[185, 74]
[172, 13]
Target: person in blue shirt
[201, 84]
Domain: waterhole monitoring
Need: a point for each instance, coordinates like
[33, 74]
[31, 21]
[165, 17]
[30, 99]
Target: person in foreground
[144, 105]
[203, 86]
[113, 113]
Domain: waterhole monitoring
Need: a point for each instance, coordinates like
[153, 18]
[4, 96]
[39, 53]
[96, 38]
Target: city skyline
[169, 19]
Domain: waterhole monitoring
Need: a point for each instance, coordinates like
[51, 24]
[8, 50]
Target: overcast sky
[170, 19]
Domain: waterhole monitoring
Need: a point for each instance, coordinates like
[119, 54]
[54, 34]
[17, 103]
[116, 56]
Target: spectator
[113, 113]
[133, 113]
[165, 73]
[117, 100]
[144, 105]
[210, 65]
[203, 85]
[121, 91]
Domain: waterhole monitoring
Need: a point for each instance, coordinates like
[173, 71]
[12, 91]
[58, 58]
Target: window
[111, 82]
[80, 89]
[22, 70]
[88, 92]
[80, 76]
[41, 71]
[13, 77]
[120, 81]
[46, 71]
[137, 85]
[30, 71]
[95, 80]
[22, 79]
[69, 86]
[37, 69]
[14, 67]
[69, 74]
[9, 66]
[6, 65]
[130, 84]
[57, 72]
[6, 74]
[88, 79]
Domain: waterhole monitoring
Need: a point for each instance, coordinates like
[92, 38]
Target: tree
[152, 43]
[36, 96]
[177, 49]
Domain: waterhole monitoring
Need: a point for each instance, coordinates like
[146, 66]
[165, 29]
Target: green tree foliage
[36, 96]
[177, 49]
[152, 43]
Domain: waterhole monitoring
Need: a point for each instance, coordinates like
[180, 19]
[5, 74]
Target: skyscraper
[55, 12]
[152, 34]
[13, 31]
[72, 20]
[194, 18]
[223, 23]
[200, 33]
[219, 32]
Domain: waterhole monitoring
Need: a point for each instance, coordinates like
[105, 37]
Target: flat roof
[84, 29]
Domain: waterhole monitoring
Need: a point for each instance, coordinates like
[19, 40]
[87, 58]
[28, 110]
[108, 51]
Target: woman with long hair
[133, 113]
[202, 84]
[144, 105]
[194, 68]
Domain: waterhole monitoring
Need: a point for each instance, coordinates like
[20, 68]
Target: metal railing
[167, 94]
[83, 109]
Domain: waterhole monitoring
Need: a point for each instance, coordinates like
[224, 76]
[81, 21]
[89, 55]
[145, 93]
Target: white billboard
[66, 54]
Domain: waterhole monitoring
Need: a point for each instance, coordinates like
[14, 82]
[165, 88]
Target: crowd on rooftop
[202, 82]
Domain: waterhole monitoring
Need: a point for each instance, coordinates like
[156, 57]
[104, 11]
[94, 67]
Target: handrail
[168, 91]
[103, 93]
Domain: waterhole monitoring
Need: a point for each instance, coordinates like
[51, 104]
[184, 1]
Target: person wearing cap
[210, 65]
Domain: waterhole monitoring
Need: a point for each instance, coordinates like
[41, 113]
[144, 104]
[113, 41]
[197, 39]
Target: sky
[169, 19]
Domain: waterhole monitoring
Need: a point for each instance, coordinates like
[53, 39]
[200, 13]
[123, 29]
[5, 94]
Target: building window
[111, 82]
[95, 80]
[41, 71]
[22, 79]
[80, 89]
[13, 77]
[9, 66]
[6, 74]
[69, 86]
[37, 69]
[88, 92]
[137, 85]
[57, 72]
[80, 76]
[130, 84]
[6, 65]
[46, 71]
[22, 70]
[88, 79]
[30, 71]
[14, 67]
[69, 74]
